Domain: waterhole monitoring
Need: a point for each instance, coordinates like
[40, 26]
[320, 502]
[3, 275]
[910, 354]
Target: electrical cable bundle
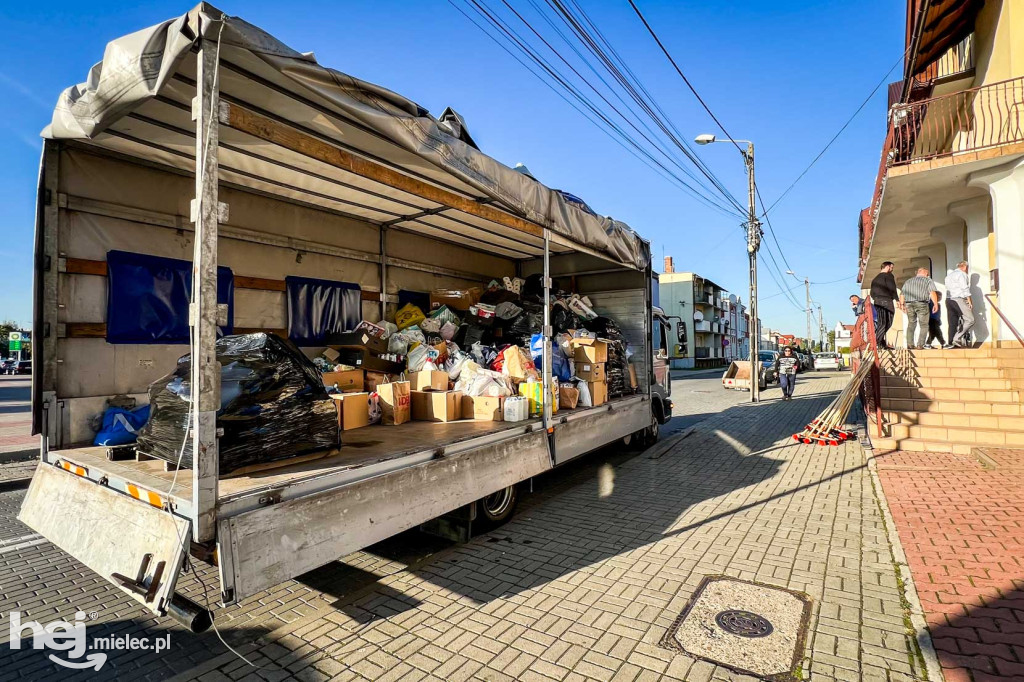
[826, 428]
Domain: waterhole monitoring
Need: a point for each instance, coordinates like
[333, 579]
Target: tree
[832, 339]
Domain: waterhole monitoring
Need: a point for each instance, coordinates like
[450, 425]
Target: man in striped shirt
[919, 298]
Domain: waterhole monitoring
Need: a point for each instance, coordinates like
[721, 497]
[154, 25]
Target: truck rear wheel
[496, 508]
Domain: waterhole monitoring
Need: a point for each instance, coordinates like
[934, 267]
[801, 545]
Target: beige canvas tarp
[136, 100]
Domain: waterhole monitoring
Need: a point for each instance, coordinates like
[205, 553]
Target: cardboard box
[353, 410]
[632, 376]
[436, 406]
[598, 392]
[394, 402]
[456, 299]
[375, 379]
[429, 380]
[348, 381]
[357, 341]
[364, 359]
[483, 408]
[568, 396]
[590, 350]
[591, 371]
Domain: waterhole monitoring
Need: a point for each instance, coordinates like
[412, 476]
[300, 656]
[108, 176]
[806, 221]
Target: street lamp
[753, 244]
[809, 311]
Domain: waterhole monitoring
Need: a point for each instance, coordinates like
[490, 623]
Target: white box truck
[204, 139]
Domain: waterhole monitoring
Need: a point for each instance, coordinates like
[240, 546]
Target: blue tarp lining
[148, 298]
[319, 307]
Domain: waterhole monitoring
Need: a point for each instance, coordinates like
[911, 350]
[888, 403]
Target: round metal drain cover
[744, 623]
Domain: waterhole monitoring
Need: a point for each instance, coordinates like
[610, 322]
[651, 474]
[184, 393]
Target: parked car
[23, 367]
[827, 361]
[8, 366]
[767, 358]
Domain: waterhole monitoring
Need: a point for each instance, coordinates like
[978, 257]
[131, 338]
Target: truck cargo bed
[365, 452]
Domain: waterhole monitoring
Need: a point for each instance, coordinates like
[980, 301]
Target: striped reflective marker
[73, 468]
[145, 495]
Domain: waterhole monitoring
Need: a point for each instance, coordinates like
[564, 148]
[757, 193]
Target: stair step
[951, 420]
[951, 406]
[963, 436]
[953, 394]
[929, 381]
[983, 352]
[918, 445]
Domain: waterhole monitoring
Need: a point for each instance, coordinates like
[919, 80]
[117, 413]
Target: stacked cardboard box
[590, 356]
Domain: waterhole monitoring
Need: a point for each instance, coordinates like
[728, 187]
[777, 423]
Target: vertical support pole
[46, 310]
[203, 311]
[383, 272]
[810, 311]
[546, 376]
[753, 243]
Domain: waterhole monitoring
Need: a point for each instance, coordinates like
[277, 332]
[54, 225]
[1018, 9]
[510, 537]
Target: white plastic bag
[417, 356]
[398, 344]
[375, 411]
[448, 330]
[585, 399]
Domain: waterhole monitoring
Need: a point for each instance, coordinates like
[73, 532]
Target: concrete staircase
[951, 400]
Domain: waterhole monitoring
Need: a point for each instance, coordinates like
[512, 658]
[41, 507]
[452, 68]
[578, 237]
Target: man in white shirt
[958, 289]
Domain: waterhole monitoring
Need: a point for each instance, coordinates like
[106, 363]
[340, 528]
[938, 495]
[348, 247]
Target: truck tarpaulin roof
[137, 102]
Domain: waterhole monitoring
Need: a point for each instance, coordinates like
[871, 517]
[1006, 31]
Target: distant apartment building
[702, 306]
[950, 183]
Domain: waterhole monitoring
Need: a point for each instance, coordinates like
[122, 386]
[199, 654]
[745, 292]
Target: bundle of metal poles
[827, 427]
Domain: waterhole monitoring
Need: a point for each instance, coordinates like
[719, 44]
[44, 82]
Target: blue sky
[786, 75]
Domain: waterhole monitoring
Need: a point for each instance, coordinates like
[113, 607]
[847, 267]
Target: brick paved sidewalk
[15, 416]
[961, 523]
[586, 584]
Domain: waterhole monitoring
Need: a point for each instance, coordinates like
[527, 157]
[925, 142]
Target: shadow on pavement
[985, 637]
[612, 506]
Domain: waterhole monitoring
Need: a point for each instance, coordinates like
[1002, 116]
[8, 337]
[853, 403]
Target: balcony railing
[955, 62]
[971, 120]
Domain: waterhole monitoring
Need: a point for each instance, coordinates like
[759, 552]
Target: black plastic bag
[273, 405]
[604, 328]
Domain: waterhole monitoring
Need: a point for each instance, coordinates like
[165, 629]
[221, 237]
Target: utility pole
[821, 331]
[810, 311]
[753, 244]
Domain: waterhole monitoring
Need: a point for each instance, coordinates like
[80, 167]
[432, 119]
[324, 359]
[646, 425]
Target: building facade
[701, 304]
[950, 184]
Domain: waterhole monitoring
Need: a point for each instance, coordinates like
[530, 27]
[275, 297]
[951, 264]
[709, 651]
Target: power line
[836, 136]
[681, 75]
[522, 44]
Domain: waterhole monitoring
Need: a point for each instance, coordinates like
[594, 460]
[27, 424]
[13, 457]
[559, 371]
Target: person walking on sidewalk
[958, 291]
[919, 298]
[785, 368]
[884, 295]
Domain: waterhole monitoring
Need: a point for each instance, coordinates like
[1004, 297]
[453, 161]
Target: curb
[14, 484]
[899, 557]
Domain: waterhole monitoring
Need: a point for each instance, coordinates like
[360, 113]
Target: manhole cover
[720, 625]
[744, 623]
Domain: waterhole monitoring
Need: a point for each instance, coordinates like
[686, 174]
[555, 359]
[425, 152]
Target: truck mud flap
[135, 546]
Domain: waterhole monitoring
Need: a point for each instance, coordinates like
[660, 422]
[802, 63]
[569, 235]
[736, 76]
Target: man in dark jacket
[885, 297]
